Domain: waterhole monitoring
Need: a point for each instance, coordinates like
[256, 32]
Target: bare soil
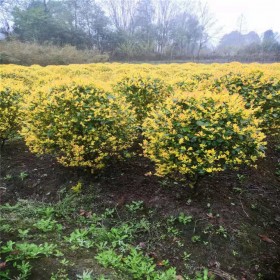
[246, 203]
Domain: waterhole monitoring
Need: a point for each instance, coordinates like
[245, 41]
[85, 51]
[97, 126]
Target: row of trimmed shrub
[185, 133]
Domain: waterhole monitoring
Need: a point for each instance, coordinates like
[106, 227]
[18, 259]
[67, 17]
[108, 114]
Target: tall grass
[16, 52]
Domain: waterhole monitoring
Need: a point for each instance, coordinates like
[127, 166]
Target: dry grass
[16, 52]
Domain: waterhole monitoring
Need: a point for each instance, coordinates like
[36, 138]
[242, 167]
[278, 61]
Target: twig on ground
[243, 207]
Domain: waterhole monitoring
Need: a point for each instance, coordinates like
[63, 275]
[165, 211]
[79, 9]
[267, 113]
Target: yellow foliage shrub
[198, 133]
[143, 92]
[79, 123]
[261, 92]
[11, 93]
[49, 126]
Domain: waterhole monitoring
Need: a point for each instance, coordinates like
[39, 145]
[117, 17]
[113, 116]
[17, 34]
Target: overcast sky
[259, 15]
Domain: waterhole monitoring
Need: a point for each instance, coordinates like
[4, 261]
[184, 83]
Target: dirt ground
[246, 203]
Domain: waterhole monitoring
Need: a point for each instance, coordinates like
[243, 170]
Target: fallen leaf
[142, 245]
[266, 238]
[3, 265]
[160, 263]
[210, 215]
[84, 213]
[148, 174]
[179, 277]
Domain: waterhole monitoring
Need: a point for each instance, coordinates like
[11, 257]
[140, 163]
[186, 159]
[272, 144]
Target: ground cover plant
[99, 161]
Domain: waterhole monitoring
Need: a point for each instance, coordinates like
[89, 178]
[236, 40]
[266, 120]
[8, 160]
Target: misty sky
[259, 15]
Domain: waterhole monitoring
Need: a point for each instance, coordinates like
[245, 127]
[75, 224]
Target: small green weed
[109, 213]
[222, 231]
[241, 178]
[19, 253]
[184, 219]
[77, 188]
[186, 256]
[8, 177]
[173, 231]
[61, 274]
[135, 206]
[86, 275]
[79, 238]
[5, 228]
[143, 225]
[23, 175]
[24, 269]
[27, 250]
[204, 275]
[47, 225]
[117, 236]
[254, 206]
[45, 211]
[135, 264]
[109, 258]
[196, 238]
[23, 233]
[235, 253]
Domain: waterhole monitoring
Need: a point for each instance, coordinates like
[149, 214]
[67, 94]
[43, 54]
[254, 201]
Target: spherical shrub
[79, 123]
[260, 91]
[198, 133]
[143, 92]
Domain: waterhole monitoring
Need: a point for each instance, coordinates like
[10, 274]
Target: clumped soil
[244, 203]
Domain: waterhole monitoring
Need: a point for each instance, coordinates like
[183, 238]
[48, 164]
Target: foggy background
[139, 30]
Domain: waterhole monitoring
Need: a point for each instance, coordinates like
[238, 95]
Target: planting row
[196, 123]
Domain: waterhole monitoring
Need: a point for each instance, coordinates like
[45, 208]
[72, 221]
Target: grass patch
[35, 233]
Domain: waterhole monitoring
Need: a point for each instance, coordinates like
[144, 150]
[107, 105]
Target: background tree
[166, 10]
[91, 19]
[269, 41]
[121, 13]
[130, 29]
[185, 34]
[35, 23]
[207, 27]
[143, 26]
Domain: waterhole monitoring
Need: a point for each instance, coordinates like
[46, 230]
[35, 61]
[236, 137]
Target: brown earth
[248, 207]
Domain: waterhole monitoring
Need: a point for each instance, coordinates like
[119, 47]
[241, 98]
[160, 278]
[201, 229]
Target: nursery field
[123, 171]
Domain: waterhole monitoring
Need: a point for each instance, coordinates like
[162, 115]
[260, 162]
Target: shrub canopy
[200, 133]
[80, 123]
